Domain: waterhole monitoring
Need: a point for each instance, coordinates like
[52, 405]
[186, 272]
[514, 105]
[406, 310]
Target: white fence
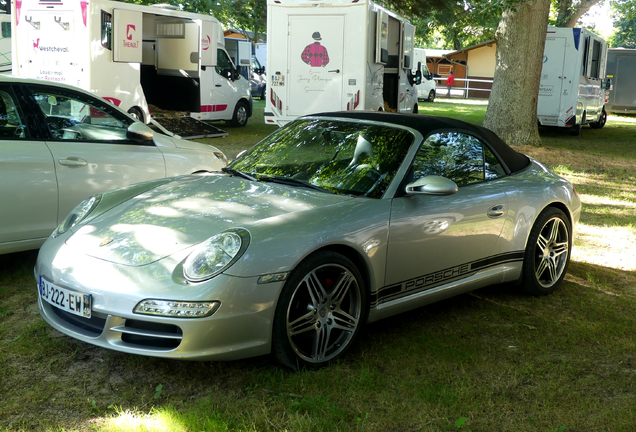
[441, 89]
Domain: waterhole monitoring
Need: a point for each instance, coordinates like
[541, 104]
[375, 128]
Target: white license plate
[70, 301]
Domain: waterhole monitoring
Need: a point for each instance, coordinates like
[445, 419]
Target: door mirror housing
[432, 185]
[139, 132]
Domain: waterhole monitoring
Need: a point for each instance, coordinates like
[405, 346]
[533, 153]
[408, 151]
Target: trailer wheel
[601, 120]
[136, 113]
[240, 115]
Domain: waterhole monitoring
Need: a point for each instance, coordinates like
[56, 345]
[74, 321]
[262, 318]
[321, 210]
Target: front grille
[150, 335]
[92, 327]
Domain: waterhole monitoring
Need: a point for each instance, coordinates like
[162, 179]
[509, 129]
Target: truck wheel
[431, 96]
[601, 120]
[136, 113]
[240, 115]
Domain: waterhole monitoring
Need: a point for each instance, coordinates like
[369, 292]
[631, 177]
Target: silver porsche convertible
[334, 221]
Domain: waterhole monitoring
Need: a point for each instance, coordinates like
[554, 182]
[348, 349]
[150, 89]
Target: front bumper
[240, 328]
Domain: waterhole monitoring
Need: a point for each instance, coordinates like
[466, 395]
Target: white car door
[89, 146]
[28, 189]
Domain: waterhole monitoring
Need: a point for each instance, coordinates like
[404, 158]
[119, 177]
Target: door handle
[217, 85]
[335, 70]
[73, 162]
[496, 211]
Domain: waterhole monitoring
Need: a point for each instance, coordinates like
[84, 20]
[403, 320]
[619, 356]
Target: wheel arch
[353, 255]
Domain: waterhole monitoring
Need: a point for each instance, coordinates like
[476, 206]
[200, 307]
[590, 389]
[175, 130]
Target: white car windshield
[347, 158]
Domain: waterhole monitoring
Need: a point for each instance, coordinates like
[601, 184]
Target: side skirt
[390, 301]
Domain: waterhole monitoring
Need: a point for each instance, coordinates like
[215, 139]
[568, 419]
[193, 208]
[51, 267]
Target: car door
[90, 149]
[437, 239]
[224, 90]
[28, 188]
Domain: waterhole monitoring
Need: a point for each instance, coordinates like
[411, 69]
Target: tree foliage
[568, 12]
[624, 23]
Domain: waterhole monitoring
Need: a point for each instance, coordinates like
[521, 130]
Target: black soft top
[425, 124]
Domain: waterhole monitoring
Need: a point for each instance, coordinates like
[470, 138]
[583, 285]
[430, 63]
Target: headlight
[215, 255]
[78, 214]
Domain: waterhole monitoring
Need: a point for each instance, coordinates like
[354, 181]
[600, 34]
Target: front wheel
[431, 96]
[239, 119]
[320, 311]
[547, 253]
[602, 119]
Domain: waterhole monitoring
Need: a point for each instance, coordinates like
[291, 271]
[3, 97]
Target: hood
[185, 212]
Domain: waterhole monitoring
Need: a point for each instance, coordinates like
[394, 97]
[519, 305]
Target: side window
[11, 125]
[6, 29]
[456, 156]
[223, 64]
[74, 117]
[107, 30]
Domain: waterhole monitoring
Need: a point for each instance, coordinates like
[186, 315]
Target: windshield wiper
[239, 174]
[290, 181]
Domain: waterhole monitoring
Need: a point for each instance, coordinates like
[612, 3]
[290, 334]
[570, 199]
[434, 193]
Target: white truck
[573, 90]
[131, 55]
[337, 55]
[426, 88]
[5, 43]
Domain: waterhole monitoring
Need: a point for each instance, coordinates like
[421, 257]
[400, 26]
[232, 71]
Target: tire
[319, 312]
[239, 119]
[263, 93]
[601, 121]
[136, 113]
[431, 96]
[415, 109]
[576, 129]
[547, 254]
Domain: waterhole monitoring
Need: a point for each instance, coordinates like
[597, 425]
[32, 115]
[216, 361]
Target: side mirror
[139, 132]
[432, 185]
[607, 85]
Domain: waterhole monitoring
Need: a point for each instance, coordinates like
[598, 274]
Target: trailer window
[586, 52]
[595, 67]
[107, 30]
[6, 29]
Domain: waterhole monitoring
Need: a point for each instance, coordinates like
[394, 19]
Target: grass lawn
[492, 360]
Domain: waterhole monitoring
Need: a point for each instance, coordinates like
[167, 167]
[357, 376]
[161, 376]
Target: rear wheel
[547, 253]
[320, 311]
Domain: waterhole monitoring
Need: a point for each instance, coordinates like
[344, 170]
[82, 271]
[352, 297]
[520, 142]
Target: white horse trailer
[337, 55]
[573, 90]
[131, 55]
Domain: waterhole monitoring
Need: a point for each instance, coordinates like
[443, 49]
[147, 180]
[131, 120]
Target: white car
[61, 145]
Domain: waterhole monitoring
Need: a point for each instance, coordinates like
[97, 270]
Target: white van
[337, 55]
[426, 88]
[131, 55]
[573, 90]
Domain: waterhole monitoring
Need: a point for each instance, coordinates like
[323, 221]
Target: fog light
[176, 309]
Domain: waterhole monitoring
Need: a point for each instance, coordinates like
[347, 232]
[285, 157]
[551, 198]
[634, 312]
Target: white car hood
[183, 213]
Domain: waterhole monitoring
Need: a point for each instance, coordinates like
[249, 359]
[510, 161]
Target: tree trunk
[512, 109]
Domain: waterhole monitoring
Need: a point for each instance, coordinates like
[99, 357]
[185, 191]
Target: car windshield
[345, 158]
